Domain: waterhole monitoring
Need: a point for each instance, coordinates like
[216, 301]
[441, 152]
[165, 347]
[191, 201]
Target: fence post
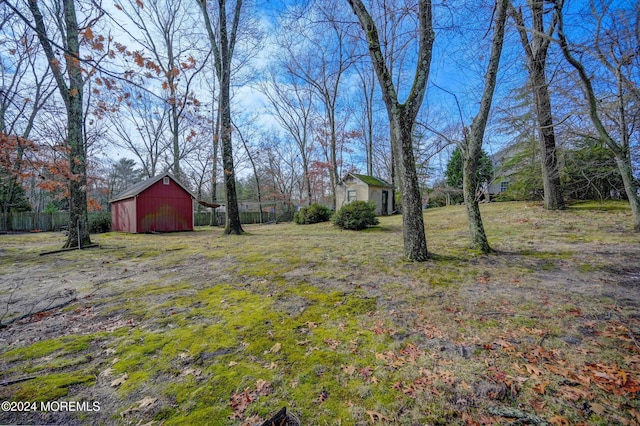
[79, 234]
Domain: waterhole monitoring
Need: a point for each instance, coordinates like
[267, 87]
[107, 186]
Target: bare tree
[223, 39]
[165, 31]
[366, 76]
[71, 89]
[322, 64]
[619, 60]
[281, 167]
[402, 118]
[26, 85]
[535, 41]
[292, 107]
[472, 146]
[140, 126]
[251, 154]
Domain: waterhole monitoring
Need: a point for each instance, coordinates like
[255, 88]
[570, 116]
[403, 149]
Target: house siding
[123, 215]
[164, 208]
[365, 192]
[159, 207]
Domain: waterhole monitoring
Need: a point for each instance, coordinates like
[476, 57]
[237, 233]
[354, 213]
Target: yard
[200, 328]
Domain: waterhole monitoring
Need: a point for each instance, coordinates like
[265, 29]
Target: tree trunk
[470, 187]
[473, 145]
[620, 150]
[233, 225]
[334, 177]
[307, 177]
[415, 242]
[536, 51]
[553, 198]
[223, 53]
[402, 118]
[630, 188]
[71, 94]
[214, 167]
[78, 216]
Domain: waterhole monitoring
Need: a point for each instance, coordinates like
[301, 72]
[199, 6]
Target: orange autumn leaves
[47, 166]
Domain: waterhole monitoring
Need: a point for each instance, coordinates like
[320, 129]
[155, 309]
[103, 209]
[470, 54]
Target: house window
[165, 180]
[504, 185]
[352, 195]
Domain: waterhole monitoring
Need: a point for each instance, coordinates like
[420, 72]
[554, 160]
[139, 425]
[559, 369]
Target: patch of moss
[606, 206]
[60, 346]
[587, 268]
[50, 387]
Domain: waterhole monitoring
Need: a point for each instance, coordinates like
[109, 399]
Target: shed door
[385, 203]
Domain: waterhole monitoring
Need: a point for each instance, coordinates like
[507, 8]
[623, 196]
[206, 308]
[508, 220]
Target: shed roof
[371, 180]
[141, 186]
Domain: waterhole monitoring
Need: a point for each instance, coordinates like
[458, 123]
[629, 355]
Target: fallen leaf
[194, 373]
[533, 370]
[559, 421]
[540, 387]
[365, 372]
[324, 395]
[377, 417]
[575, 393]
[332, 343]
[253, 420]
[597, 408]
[349, 369]
[503, 344]
[119, 381]
[140, 405]
[106, 372]
[558, 370]
[146, 402]
[239, 403]
[263, 387]
[274, 349]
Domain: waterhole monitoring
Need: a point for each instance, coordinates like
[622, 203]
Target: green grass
[340, 326]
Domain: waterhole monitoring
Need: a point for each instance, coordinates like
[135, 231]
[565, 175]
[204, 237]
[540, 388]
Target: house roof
[371, 180]
[139, 187]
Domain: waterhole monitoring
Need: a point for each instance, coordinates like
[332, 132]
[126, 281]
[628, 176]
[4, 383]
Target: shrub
[356, 215]
[99, 222]
[315, 213]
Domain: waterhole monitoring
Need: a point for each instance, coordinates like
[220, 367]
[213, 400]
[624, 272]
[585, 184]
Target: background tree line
[284, 98]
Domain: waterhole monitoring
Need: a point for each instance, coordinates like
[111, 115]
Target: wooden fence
[204, 218]
[30, 221]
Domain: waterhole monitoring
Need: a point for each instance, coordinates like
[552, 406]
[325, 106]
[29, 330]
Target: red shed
[159, 204]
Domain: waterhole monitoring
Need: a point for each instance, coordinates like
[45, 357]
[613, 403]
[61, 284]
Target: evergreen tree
[453, 172]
